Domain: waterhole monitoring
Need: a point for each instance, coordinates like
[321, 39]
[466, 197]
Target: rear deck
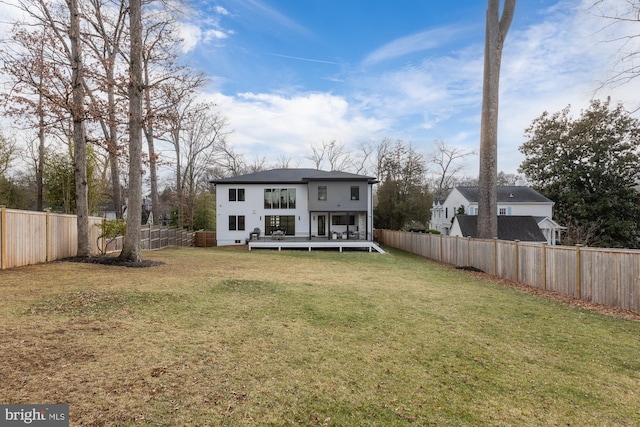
[314, 243]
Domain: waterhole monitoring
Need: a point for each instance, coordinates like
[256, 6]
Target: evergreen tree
[589, 167]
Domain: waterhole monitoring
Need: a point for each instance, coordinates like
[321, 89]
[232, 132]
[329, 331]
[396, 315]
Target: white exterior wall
[254, 212]
[442, 215]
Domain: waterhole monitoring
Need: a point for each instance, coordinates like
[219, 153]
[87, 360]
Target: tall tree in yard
[44, 68]
[497, 27]
[108, 24]
[131, 244]
[79, 140]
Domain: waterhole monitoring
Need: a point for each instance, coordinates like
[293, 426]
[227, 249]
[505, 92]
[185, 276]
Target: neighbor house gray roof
[523, 228]
[291, 176]
[506, 194]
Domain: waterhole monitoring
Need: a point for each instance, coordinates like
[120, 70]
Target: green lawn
[231, 337]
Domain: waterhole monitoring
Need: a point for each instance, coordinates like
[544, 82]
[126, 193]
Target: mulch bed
[114, 261]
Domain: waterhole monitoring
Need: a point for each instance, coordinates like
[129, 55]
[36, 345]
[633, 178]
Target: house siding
[337, 207]
[338, 196]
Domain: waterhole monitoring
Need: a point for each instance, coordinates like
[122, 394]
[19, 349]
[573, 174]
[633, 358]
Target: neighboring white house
[512, 200]
[302, 203]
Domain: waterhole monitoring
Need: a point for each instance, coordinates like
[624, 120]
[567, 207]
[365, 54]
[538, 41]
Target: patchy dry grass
[228, 337]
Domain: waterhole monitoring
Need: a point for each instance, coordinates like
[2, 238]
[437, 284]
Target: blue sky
[289, 74]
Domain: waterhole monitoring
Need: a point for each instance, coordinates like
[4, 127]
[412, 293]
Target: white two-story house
[512, 201]
[299, 203]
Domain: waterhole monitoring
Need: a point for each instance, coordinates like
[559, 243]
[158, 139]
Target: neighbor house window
[322, 192]
[236, 194]
[502, 211]
[236, 222]
[355, 193]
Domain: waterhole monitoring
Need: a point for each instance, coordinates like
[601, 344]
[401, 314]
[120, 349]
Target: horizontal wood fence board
[600, 275]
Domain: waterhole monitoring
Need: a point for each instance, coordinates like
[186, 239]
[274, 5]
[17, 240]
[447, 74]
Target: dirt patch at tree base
[114, 261]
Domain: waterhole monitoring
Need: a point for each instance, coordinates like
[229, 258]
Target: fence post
[517, 259]
[544, 265]
[578, 293]
[468, 250]
[455, 259]
[495, 256]
[47, 238]
[103, 240]
[3, 237]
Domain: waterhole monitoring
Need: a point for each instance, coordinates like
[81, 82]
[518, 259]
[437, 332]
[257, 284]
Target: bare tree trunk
[112, 147]
[149, 133]
[79, 140]
[131, 243]
[41, 153]
[496, 32]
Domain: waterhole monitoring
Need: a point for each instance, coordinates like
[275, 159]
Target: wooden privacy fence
[604, 276]
[154, 237]
[28, 237]
[205, 239]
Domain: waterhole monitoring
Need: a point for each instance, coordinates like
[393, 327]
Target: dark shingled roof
[290, 176]
[523, 228]
[507, 194]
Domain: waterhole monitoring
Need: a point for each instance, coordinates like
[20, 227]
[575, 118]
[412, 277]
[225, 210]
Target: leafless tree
[497, 26]
[317, 155]
[204, 132]
[131, 244]
[161, 70]
[79, 141]
[284, 161]
[362, 161]
[8, 152]
[447, 161]
[333, 153]
[337, 156]
[626, 67]
[107, 22]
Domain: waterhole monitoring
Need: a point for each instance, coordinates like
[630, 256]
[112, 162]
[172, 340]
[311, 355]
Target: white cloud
[424, 40]
[221, 10]
[269, 125]
[191, 35]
